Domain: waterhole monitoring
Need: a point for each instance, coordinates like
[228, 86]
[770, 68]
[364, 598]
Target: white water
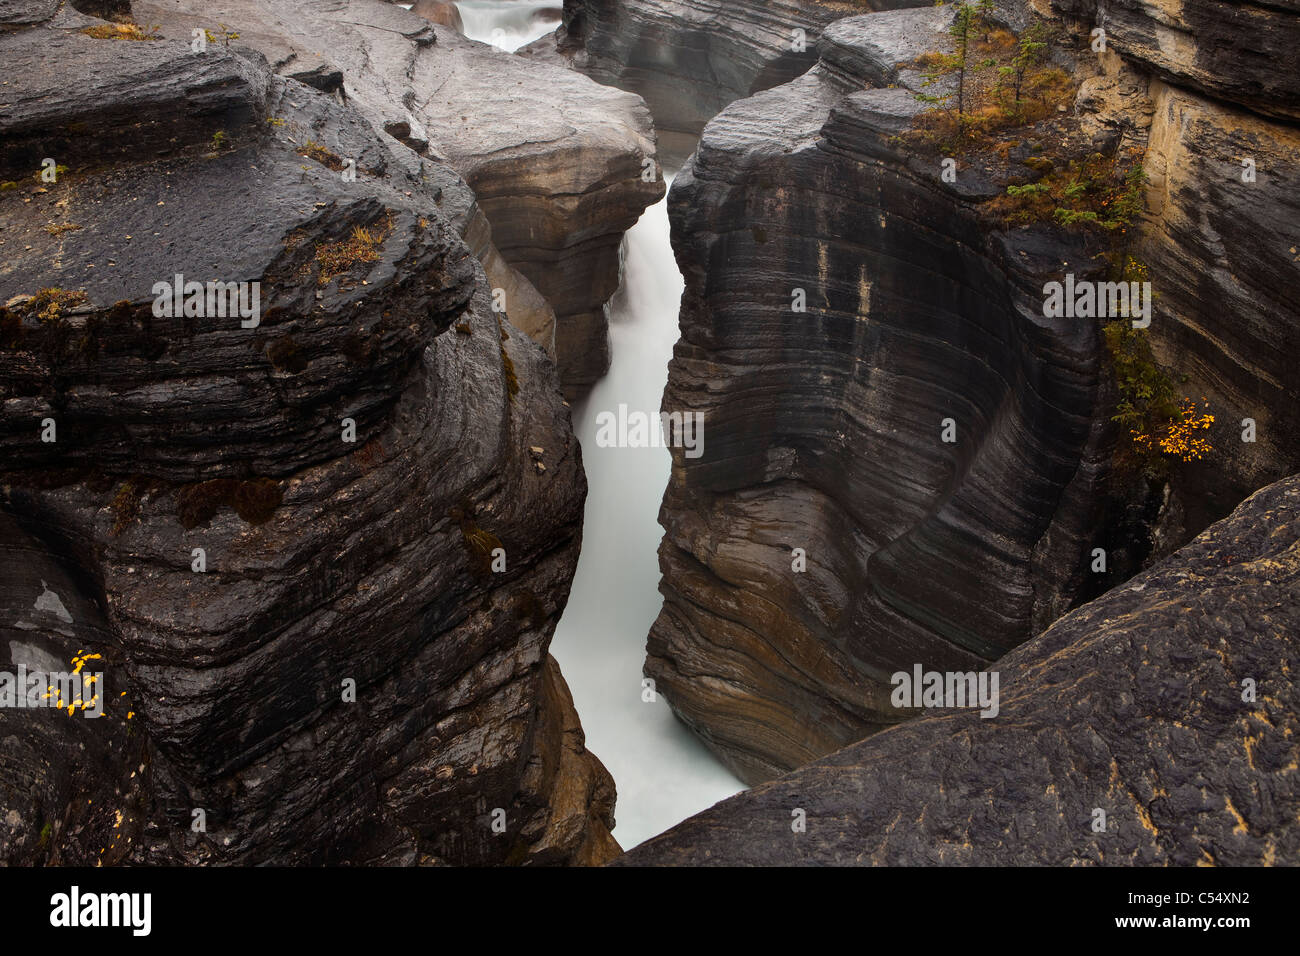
[662, 772]
[508, 24]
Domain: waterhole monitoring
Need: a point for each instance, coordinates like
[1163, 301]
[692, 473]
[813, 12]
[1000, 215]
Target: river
[662, 771]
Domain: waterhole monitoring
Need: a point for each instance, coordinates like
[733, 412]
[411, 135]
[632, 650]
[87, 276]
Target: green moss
[126, 504]
[326, 157]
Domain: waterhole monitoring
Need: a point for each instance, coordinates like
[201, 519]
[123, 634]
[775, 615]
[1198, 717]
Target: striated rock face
[1135, 704]
[1209, 87]
[825, 427]
[279, 539]
[561, 166]
[1226, 49]
[1223, 256]
[690, 58]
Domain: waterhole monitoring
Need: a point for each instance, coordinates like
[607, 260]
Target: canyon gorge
[363, 583]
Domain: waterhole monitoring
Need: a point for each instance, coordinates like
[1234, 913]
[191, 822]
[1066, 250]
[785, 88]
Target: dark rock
[323, 561]
[1135, 704]
[556, 160]
[690, 58]
[824, 427]
[1226, 49]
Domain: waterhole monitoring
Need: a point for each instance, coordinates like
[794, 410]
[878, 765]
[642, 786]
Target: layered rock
[903, 456]
[825, 426]
[690, 58]
[281, 539]
[1228, 50]
[1207, 87]
[1169, 705]
[561, 166]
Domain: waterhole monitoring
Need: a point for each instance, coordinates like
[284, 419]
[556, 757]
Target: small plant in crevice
[363, 245]
[121, 31]
[1161, 425]
[318, 153]
[479, 544]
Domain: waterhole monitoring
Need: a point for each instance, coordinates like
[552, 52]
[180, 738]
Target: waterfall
[509, 24]
[662, 771]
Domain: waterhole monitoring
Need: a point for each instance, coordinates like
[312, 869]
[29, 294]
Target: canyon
[825, 425]
[364, 576]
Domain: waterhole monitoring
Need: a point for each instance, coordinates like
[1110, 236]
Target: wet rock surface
[690, 58]
[1170, 704]
[826, 426]
[561, 165]
[281, 538]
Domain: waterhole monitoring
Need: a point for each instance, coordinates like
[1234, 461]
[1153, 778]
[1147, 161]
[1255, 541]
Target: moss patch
[121, 31]
[479, 544]
[326, 157]
[363, 245]
[255, 500]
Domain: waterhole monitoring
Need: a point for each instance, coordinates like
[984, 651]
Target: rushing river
[509, 24]
[663, 773]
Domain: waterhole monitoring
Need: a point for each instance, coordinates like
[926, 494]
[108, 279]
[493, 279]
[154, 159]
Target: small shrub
[363, 245]
[315, 151]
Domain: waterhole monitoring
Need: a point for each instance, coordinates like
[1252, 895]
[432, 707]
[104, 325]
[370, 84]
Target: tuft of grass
[326, 157]
[363, 245]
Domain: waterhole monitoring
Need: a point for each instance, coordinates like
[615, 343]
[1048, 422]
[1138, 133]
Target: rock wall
[690, 58]
[1170, 704]
[826, 427]
[561, 166]
[823, 427]
[280, 539]
[1209, 84]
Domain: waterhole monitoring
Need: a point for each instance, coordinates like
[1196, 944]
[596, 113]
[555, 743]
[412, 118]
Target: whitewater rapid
[662, 772]
[508, 24]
